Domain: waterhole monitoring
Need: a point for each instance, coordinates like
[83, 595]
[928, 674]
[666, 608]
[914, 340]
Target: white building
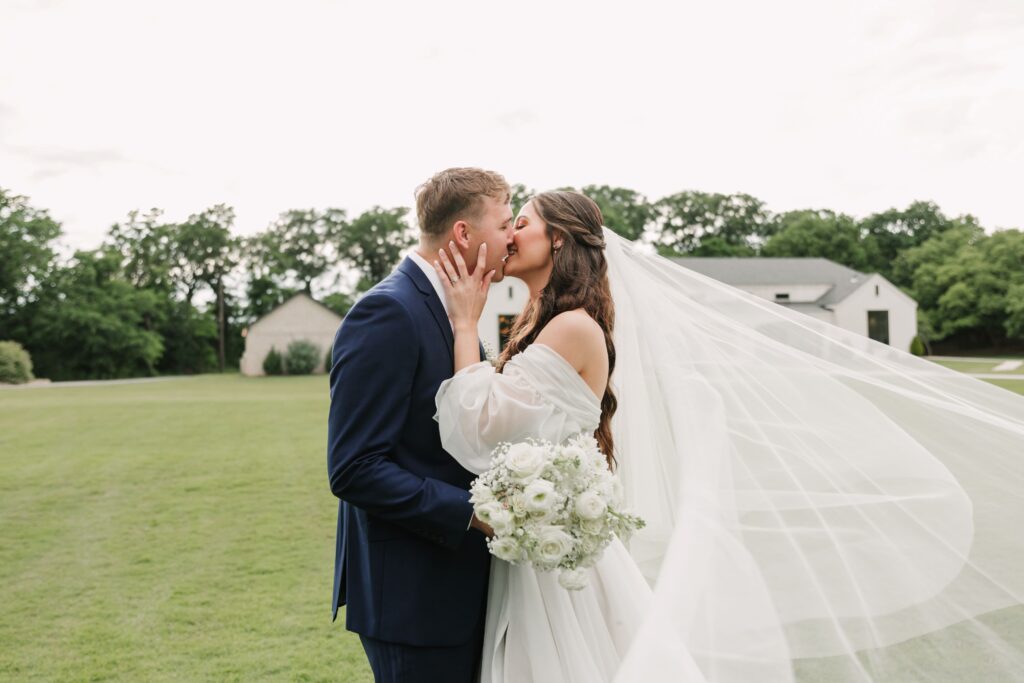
[298, 318]
[865, 303]
[505, 301]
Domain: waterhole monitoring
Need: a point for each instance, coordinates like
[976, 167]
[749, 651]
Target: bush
[917, 347]
[328, 360]
[273, 364]
[302, 358]
[15, 363]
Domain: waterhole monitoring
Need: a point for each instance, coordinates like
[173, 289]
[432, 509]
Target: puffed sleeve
[479, 408]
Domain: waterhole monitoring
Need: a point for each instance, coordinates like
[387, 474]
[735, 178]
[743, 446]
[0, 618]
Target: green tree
[296, 247]
[147, 247]
[339, 302]
[897, 230]
[823, 234]
[520, 195]
[27, 255]
[205, 253]
[687, 220]
[967, 283]
[373, 243]
[626, 212]
[89, 322]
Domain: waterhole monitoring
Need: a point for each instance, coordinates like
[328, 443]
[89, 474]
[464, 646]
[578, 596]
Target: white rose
[501, 521]
[573, 579]
[485, 511]
[540, 496]
[590, 505]
[553, 544]
[524, 462]
[506, 549]
[592, 526]
[481, 493]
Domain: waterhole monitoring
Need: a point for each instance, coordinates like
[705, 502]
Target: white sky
[110, 105]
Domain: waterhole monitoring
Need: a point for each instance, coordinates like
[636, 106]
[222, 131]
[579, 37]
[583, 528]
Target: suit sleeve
[375, 357]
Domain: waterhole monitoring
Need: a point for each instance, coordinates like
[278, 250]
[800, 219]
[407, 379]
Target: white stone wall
[298, 318]
[852, 312]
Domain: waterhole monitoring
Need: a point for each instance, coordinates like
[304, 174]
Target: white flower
[481, 493]
[592, 526]
[540, 496]
[525, 462]
[506, 549]
[501, 521]
[573, 579]
[553, 544]
[485, 511]
[575, 453]
[588, 546]
[590, 505]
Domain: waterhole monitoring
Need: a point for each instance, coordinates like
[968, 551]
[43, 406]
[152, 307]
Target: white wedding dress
[819, 506]
[537, 631]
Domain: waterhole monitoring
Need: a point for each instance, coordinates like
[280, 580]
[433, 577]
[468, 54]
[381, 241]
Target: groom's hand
[482, 527]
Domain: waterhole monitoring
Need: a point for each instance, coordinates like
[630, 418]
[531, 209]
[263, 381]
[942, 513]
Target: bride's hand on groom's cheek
[465, 293]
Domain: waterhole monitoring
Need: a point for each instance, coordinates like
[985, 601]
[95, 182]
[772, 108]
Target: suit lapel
[432, 302]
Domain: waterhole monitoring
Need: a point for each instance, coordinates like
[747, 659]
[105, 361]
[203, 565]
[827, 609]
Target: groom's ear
[461, 234]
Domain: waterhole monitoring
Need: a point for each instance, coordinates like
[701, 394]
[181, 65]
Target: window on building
[876, 290]
[878, 326]
[505, 323]
[782, 296]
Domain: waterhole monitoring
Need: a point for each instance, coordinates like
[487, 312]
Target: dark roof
[739, 271]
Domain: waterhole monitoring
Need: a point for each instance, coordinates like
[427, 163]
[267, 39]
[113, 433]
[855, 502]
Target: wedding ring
[455, 279]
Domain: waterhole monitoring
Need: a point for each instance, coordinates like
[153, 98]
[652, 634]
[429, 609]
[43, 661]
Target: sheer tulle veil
[820, 506]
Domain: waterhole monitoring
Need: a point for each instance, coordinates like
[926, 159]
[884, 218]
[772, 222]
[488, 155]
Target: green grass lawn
[172, 531]
[179, 530]
[979, 366]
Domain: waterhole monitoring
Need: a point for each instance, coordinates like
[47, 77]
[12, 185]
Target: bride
[820, 506]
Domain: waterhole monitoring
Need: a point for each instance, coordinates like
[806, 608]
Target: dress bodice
[538, 395]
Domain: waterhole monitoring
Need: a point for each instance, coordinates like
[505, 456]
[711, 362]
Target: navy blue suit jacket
[406, 565]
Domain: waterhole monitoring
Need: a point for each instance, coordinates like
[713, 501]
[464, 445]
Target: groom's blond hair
[456, 194]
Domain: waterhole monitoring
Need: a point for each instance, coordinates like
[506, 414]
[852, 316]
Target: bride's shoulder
[575, 336]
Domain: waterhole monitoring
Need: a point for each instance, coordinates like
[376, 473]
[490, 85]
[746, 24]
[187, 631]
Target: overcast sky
[110, 105]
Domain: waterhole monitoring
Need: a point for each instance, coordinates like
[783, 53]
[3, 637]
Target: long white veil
[820, 506]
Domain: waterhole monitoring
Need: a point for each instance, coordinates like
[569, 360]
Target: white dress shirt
[435, 280]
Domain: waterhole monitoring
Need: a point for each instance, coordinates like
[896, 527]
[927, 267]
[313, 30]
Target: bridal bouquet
[555, 506]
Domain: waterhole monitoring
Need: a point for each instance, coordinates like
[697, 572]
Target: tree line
[163, 297]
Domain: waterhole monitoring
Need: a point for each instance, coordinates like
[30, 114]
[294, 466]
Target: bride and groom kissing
[812, 498]
[415, 412]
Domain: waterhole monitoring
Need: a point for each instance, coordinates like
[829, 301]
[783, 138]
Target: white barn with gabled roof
[301, 317]
[865, 303]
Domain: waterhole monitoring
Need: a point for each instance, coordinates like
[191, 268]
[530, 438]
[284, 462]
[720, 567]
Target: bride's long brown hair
[579, 279]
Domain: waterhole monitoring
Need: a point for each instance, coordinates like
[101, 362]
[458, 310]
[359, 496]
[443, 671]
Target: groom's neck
[428, 248]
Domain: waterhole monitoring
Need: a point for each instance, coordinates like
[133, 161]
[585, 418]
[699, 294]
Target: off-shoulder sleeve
[479, 408]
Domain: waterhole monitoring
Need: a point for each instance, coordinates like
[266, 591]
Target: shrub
[328, 359]
[301, 358]
[273, 364]
[917, 347]
[15, 363]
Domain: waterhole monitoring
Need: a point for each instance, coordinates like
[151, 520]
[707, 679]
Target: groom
[411, 561]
